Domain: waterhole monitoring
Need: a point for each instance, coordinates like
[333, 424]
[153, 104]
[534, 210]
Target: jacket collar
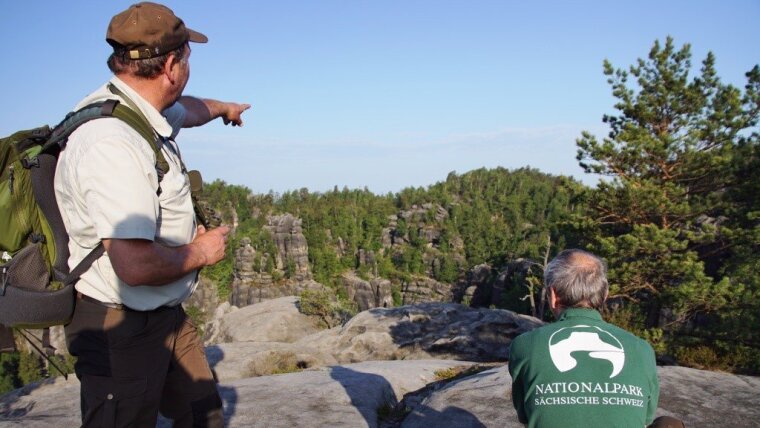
[156, 119]
[580, 313]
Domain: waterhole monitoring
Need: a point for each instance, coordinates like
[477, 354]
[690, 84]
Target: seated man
[581, 371]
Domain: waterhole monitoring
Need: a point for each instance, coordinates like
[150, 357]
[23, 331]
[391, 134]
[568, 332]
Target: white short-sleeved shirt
[105, 185]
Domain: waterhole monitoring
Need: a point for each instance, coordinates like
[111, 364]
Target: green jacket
[583, 372]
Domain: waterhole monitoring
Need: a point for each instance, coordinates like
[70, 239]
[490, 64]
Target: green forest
[676, 215]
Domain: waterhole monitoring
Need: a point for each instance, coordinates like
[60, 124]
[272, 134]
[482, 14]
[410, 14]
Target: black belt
[117, 306]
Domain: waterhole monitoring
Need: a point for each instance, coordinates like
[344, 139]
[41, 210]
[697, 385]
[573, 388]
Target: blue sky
[382, 94]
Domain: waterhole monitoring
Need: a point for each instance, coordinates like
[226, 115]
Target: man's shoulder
[104, 127]
[630, 342]
[545, 330]
[531, 338]
[105, 130]
[543, 333]
[109, 137]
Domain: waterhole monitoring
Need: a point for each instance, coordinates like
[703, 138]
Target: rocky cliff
[256, 278]
[289, 274]
[367, 294]
[283, 268]
[280, 267]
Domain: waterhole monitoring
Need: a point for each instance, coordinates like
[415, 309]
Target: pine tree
[29, 367]
[666, 215]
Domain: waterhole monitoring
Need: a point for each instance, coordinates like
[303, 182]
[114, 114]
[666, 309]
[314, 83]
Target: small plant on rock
[276, 363]
[323, 304]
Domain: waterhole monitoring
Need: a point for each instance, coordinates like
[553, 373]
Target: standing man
[581, 371]
[138, 353]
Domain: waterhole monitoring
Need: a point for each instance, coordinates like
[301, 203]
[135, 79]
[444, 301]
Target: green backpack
[36, 286]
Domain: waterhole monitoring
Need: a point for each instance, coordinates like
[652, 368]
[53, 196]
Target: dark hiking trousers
[133, 364]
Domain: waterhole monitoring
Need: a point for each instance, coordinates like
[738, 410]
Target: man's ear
[169, 68]
[553, 301]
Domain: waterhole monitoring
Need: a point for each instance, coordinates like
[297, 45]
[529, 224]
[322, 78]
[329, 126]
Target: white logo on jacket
[584, 338]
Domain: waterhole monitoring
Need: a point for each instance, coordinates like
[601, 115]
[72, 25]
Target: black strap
[72, 121]
[85, 264]
[42, 181]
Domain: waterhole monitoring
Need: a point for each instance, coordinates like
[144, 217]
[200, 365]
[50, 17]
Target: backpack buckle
[30, 162]
[3, 280]
[37, 238]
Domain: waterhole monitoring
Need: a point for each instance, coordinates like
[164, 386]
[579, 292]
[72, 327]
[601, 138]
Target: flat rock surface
[336, 396]
[697, 397]
[232, 361]
[50, 403]
[383, 362]
[352, 396]
[479, 400]
[709, 399]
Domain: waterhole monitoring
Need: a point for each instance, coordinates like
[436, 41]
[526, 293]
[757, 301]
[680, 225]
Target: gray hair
[579, 279]
[148, 68]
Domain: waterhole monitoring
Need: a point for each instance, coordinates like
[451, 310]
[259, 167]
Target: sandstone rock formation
[423, 290]
[480, 400]
[370, 394]
[338, 396]
[277, 320]
[252, 283]
[410, 391]
[291, 244]
[423, 222]
[375, 293]
[232, 361]
[699, 398]
[257, 278]
[205, 297]
[423, 331]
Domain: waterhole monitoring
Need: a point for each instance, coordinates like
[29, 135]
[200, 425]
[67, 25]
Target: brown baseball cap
[147, 30]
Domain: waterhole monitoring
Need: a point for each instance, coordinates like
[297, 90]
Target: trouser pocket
[110, 402]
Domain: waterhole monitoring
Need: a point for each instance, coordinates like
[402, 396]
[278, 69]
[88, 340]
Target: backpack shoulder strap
[42, 177]
[132, 115]
[139, 124]
[110, 108]
[42, 172]
[61, 132]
